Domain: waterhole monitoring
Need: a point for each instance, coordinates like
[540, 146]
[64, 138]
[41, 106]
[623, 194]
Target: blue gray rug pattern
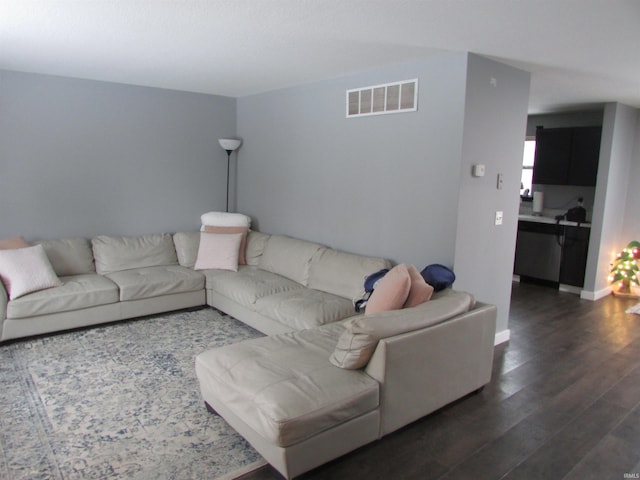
[117, 401]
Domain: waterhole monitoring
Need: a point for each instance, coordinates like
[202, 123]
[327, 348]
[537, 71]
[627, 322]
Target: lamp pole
[228, 170]
[229, 145]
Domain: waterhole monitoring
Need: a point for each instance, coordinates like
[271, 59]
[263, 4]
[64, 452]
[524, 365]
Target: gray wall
[631, 224]
[494, 127]
[398, 185]
[382, 185]
[83, 158]
[617, 156]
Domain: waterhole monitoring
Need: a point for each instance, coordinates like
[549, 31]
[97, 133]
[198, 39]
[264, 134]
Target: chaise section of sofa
[286, 396]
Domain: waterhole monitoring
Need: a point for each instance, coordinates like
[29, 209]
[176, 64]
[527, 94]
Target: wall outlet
[499, 217]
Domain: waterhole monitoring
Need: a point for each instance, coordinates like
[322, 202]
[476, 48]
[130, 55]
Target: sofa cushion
[26, 270]
[284, 387]
[304, 308]
[342, 273]
[76, 292]
[113, 254]
[289, 257]
[391, 291]
[150, 282]
[69, 256]
[360, 337]
[248, 284]
[186, 244]
[256, 242]
[218, 250]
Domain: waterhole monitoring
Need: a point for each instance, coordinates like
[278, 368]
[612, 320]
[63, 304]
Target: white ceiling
[580, 52]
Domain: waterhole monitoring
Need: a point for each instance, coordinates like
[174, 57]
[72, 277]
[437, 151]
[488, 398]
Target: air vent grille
[393, 97]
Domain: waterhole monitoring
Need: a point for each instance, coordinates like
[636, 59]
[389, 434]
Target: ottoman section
[284, 386]
[305, 308]
[248, 284]
[148, 282]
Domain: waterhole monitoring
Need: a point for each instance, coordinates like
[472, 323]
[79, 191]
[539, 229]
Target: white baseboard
[502, 337]
[570, 289]
[593, 296]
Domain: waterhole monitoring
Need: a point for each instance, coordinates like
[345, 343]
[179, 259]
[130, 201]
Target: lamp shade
[230, 143]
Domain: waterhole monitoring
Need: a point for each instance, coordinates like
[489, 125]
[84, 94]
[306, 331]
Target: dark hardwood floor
[563, 403]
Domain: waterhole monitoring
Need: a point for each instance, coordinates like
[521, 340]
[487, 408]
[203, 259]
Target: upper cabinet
[567, 156]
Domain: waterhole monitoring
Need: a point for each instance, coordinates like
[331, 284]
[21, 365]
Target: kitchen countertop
[543, 219]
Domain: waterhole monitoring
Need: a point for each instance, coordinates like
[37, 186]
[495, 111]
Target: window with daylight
[380, 99]
[526, 187]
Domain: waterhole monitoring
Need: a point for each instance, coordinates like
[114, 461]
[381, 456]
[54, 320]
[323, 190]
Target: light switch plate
[499, 217]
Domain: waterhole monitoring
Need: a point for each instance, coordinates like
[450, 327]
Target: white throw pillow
[26, 270]
[219, 251]
[225, 219]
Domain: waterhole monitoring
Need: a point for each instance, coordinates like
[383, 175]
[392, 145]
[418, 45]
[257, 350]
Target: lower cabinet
[573, 261]
[551, 254]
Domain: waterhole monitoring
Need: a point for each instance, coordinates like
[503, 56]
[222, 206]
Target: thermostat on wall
[478, 170]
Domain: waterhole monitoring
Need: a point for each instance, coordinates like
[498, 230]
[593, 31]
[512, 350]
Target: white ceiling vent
[394, 97]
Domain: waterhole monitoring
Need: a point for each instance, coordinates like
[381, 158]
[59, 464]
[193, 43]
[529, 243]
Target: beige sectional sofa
[324, 381]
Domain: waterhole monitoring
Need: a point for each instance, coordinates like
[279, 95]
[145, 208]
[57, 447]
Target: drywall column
[495, 120]
[619, 129]
[631, 223]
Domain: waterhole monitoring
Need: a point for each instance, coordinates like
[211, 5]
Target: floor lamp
[229, 144]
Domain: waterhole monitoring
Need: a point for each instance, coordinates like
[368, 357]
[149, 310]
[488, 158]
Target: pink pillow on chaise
[420, 290]
[391, 292]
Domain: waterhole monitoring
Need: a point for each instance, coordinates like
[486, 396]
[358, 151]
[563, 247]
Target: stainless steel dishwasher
[539, 251]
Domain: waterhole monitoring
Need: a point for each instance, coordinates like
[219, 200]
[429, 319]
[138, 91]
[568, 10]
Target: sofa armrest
[426, 369]
[4, 300]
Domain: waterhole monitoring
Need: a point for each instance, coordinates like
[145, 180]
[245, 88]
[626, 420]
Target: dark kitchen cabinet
[551, 254]
[585, 149]
[567, 156]
[573, 263]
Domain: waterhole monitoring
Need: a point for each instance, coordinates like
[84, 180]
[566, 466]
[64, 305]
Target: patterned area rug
[118, 401]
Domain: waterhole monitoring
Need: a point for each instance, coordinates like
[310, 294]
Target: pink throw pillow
[420, 290]
[391, 291]
[13, 243]
[218, 251]
[242, 259]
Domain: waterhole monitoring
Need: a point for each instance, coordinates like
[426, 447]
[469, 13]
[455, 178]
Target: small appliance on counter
[538, 203]
[576, 214]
